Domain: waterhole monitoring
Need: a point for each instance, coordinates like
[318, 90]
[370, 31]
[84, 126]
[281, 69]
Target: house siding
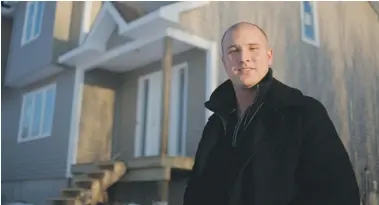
[60, 33]
[37, 54]
[42, 190]
[344, 67]
[42, 158]
[6, 32]
[126, 103]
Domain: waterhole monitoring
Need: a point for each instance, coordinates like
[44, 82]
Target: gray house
[103, 101]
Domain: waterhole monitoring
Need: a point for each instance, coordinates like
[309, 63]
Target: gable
[107, 20]
[109, 23]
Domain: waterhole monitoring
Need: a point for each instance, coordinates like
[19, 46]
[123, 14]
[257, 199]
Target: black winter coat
[292, 154]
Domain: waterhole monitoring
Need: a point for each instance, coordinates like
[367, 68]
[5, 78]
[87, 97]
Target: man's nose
[245, 57]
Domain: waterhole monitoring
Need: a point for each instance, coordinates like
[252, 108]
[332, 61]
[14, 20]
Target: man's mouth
[245, 69]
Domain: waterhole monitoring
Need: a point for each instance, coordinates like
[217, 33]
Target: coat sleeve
[326, 175]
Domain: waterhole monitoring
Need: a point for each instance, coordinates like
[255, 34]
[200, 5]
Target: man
[266, 143]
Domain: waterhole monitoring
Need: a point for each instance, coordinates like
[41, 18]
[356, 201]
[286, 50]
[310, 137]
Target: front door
[178, 111]
[149, 110]
[148, 114]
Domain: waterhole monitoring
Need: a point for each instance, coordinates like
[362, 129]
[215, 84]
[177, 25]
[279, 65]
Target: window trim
[316, 41]
[24, 40]
[34, 92]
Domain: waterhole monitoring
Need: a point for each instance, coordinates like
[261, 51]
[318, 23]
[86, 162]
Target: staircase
[90, 188]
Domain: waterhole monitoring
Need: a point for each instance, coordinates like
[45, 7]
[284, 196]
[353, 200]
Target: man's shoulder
[294, 96]
[313, 104]
[212, 119]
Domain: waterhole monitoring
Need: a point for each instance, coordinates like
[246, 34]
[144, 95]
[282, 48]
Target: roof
[127, 12]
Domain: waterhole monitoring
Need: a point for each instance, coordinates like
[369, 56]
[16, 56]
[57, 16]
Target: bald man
[266, 143]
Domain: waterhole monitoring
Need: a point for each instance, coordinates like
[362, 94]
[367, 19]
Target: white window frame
[35, 92]
[33, 36]
[316, 41]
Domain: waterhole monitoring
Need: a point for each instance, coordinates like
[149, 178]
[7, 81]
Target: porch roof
[147, 34]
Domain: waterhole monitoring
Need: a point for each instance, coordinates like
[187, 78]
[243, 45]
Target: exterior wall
[6, 32]
[37, 53]
[42, 158]
[41, 190]
[126, 99]
[60, 33]
[96, 123]
[342, 73]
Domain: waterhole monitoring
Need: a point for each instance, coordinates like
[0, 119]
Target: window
[309, 23]
[33, 21]
[37, 113]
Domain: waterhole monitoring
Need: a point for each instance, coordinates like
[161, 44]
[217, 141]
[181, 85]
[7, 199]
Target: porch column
[163, 186]
[166, 69]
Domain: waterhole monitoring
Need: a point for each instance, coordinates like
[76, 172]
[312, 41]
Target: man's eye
[253, 48]
[233, 50]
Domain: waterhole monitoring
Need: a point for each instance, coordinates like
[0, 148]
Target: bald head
[242, 25]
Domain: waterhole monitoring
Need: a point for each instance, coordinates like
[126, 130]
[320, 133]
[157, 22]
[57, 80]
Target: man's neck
[245, 97]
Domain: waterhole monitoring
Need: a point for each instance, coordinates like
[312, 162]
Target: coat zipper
[234, 139]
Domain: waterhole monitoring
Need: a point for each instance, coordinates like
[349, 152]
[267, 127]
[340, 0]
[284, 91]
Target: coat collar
[275, 94]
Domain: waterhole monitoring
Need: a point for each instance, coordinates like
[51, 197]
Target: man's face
[246, 55]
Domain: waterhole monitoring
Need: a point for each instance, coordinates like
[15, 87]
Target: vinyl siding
[37, 54]
[6, 32]
[59, 34]
[42, 158]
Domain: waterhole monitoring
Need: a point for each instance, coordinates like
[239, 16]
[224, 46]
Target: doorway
[149, 110]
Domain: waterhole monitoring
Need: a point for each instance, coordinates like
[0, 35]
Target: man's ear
[270, 56]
